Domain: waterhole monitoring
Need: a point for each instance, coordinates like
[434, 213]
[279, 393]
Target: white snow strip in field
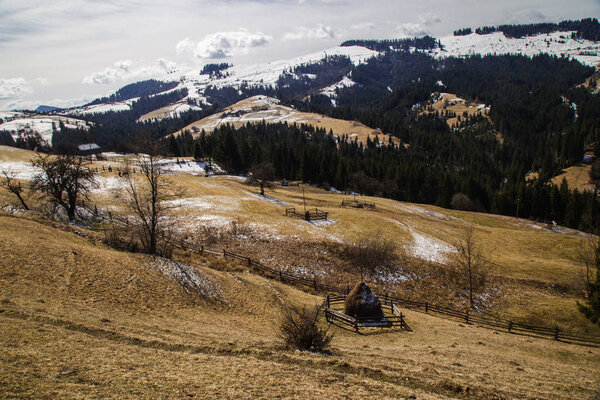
[428, 213]
[428, 248]
[19, 170]
[192, 279]
[271, 200]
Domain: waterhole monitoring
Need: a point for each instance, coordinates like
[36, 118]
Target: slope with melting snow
[251, 75]
[41, 125]
[556, 43]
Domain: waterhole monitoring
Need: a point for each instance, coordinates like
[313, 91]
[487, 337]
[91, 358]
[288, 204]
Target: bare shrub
[300, 329]
[13, 186]
[461, 201]
[372, 253]
[238, 229]
[122, 238]
[261, 174]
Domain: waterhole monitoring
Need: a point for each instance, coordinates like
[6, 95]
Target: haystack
[361, 303]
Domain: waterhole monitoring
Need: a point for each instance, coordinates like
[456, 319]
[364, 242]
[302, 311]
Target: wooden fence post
[315, 283]
[224, 253]
[426, 307]
[249, 262]
[280, 276]
[347, 288]
[510, 324]
[556, 333]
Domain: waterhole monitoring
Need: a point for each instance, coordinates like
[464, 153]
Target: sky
[68, 52]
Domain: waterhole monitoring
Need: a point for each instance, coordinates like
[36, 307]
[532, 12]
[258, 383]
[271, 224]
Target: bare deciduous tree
[261, 174]
[471, 266]
[13, 186]
[371, 253]
[149, 199]
[64, 179]
[589, 256]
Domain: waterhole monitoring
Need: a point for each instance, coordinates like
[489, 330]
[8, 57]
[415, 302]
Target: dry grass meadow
[81, 320]
[452, 103]
[255, 109]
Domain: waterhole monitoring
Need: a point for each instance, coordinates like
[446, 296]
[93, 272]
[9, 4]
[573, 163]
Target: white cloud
[128, 69]
[42, 81]
[363, 26]
[14, 87]
[430, 19]
[223, 44]
[318, 32]
[410, 29]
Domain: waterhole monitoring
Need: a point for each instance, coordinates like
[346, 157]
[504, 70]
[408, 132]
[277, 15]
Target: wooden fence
[468, 317]
[358, 204]
[393, 316]
[308, 215]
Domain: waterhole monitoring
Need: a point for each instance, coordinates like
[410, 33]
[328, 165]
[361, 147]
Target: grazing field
[577, 176]
[534, 274]
[80, 320]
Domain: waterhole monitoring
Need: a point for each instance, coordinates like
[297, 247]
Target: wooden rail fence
[468, 317]
[393, 315]
[358, 204]
[309, 215]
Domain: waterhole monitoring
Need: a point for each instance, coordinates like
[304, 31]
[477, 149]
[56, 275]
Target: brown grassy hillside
[78, 320]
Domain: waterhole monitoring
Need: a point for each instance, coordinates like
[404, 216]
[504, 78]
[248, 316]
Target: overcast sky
[64, 52]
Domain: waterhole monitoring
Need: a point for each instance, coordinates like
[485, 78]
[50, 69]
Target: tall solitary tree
[261, 174]
[149, 198]
[471, 266]
[589, 256]
[64, 179]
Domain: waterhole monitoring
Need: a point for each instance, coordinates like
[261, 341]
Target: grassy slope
[82, 321]
[539, 267]
[279, 113]
[577, 176]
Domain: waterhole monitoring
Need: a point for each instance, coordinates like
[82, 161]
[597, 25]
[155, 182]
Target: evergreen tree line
[137, 89]
[587, 28]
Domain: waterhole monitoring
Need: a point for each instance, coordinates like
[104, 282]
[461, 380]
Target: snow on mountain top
[103, 107]
[268, 73]
[557, 43]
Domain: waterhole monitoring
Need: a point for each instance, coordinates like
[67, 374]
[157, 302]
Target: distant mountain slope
[262, 108]
[44, 126]
[561, 43]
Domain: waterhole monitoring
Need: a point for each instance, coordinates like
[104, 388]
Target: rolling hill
[262, 108]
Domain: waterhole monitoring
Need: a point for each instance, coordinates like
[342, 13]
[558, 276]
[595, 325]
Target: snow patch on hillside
[331, 91]
[103, 108]
[192, 279]
[556, 43]
[428, 248]
[19, 170]
[43, 126]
